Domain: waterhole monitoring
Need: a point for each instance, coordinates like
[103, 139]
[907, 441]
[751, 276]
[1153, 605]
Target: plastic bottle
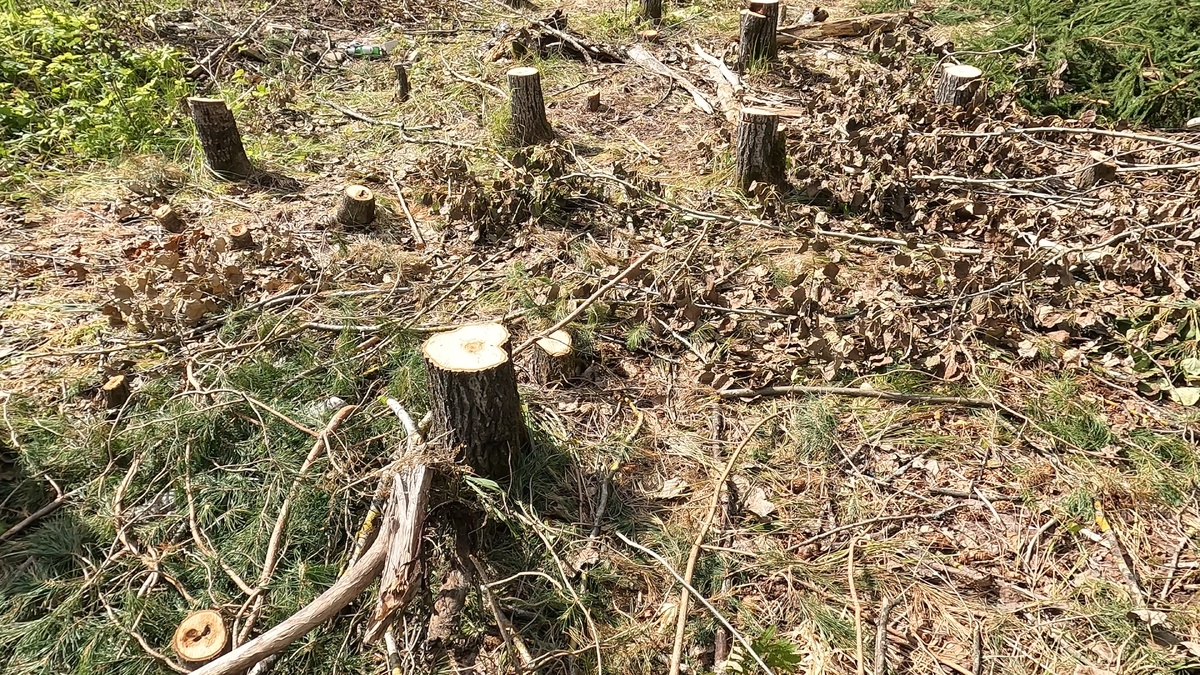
[372, 51]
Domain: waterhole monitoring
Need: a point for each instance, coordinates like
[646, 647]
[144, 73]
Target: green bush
[71, 90]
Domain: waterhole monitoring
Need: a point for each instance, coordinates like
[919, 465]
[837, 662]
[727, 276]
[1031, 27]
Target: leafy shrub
[71, 88]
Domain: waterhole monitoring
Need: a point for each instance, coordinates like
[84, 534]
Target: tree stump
[756, 44]
[219, 138]
[529, 123]
[554, 358]
[200, 637]
[115, 391]
[168, 219]
[239, 236]
[958, 85]
[761, 149]
[357, 207]
[650, 10]
[768, 8]
[649, 35]
[593, 102]
[402, 88]
[1100, 169]
[473, 397]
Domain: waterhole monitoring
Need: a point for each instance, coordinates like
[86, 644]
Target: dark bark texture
[357, 207]
[756, 44]
[220, 139]
[760, 149]
[650, 10]
[957, 87]
[529, 123]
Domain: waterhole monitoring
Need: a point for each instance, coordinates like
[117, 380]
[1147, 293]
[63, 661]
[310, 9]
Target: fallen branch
[641, 56]
[42, 512]
[1088, 131]
[873, 521]
[860, 393]
[412, 222]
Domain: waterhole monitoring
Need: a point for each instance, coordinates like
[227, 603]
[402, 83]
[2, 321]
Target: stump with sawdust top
[200, 637]
[473, 397]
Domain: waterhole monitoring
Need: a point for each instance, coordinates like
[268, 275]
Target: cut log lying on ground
[642, 57]
[550, 37]
[220, 139]
[200, 637]
[958, 86]
[855, 26]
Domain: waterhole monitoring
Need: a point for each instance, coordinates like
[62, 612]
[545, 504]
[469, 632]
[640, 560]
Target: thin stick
[164, 659]
[413, 321]
[699, 598]
[412, 222]
[586, 303]
[860, 393]
[858, 633]
[1062, 130]
[516, 647]
[41, 513]
[881, 666]
[872, 521]
[694, 554]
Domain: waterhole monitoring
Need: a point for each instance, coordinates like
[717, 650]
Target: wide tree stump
[958, 85]
[402, 87]
[554, 359]
[357, 206]
[529, 125]
[168, 218]
[756, 44]
[650, 10]
[768, 8]
[473, 397]
[200, 637]
[219, 138]
[239, 236]
[761, 149]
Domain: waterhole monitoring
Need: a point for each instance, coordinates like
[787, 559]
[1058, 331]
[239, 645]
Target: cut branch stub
[756, 44]
[768, 8]
[402, 87]
[219, 137]
[529, 124]
[200, 637]
[760, 149]
[958, 85]
[357, 207]
[650, 10]
[473, 397]
[554, 358]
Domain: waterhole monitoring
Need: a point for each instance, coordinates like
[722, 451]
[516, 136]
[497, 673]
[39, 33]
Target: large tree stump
[473, 397]
[756, 44]
[200, 637]
[761, 149]
[768, 8]
[650, 10]
[554, 358]
[958, 85]
[357, 206]
[529, 124]
[219, 137]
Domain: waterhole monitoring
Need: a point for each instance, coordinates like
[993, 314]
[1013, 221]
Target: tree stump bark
[756, 44]
[473, 397]
[554, 359]
[357, 207]
[529, 123]
[200, 637]
[958, 85]
[168, 219]
[219, 138]
[402, 87]
[593, 102]
[115, 391]
[1100, 169]
[650, 10]
[761, 149]
[768, 8]
[239, 236]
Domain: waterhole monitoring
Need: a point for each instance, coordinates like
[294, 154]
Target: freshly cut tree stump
[958, 85]
[239, 236]
[650, 10]
[761, 149]
[593, 102]
[649, 35]
[402, 88]
[473, 397]
[554, 358]
[219, 137]
[168, 219]
[756, 44]
[200, 637]
[357, 207]
[115, 391]
[768, 8]
[1100, 169]
[529, 123]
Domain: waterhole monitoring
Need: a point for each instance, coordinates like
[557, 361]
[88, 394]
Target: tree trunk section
[115, 391]
[200, 637]
[650, 10]
[761, 149]
[958, 86]
[768, 8]
[357, 207]
[529, 123]
[402, 87]
[756, 44]
[554, 359]
[168, 219]
[219, 137]
[593, 102]
[473, 397]
[239, 236]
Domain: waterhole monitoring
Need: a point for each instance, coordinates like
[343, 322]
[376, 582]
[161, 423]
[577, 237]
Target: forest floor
[1049, 525]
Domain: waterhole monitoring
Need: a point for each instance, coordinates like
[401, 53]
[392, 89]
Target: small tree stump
[958, 85]
[168, 219]
[593, 102]
[115, 391]
[239, 236]
[649, 35]
[650, 10]
[768, 8]
[473, 397]
[529, 123]
[219, 138]
[200, 637]
[357, 207]
[402, 88]
[756, 44]
[554, 358]
[1100, 169]
[761, 149]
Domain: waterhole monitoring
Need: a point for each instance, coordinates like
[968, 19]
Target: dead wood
[402, 86]
[860, 393]
[855, 26]
[761, 150]
[220, 139]
[115, 391]
[959, 86]
[756, 40]
[642, 57]
[200, 637]
[168, 218]
[528, 123]
[357, 206]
